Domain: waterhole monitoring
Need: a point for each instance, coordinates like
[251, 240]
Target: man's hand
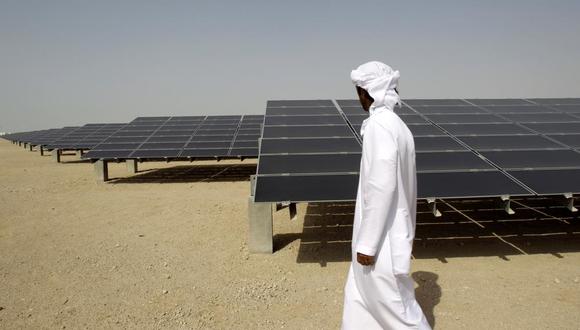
[365, 260]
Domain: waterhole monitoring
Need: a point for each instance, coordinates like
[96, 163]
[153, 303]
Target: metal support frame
[56, 155]
[570, 203]
[260, 224]
[506, 204]
[291, 209]
[30, 147]
[433, 207]
[132, 167]
[101, 170]
[80, 153]
[41, 149]
[24, 145]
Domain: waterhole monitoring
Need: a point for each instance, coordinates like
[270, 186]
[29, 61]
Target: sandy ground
[166, 248]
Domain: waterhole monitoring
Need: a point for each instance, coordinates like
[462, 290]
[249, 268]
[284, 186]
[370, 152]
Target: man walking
[379, 292]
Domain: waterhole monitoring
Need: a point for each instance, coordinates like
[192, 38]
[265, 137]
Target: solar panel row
[41, 137]
[465, 148]
[182, 137]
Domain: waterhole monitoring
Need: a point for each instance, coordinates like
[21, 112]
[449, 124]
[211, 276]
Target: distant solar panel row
[85, 137]
[41, 137]
[182, 137]
[465, 148]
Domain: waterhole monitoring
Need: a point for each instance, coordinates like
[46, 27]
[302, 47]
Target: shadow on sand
[193, 173]
[472, 228]
[428, 293]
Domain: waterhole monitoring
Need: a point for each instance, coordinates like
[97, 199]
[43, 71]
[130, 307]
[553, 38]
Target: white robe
[382, 296]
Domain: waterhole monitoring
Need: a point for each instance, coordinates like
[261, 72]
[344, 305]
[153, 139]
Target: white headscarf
[379, 80]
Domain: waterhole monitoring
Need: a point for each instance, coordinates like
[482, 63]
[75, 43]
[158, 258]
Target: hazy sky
[76, 62]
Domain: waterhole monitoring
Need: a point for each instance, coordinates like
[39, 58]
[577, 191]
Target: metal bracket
[433, 207]
[570, 203]
[252, 186]
[507, 204]
[291, 209]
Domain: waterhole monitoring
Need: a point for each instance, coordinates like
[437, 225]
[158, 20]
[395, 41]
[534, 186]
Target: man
[379, 292]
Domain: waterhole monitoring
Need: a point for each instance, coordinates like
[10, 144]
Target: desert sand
[166, 249]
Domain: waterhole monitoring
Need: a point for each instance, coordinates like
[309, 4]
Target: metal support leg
[79, 153]
[570, 203]
[433, 207]
[41, 150]
[293, 211]
[30, 147]
[132, 166]
[507, 204]
[102, 170]
[291, 208]
[56, 155]
[24, 145]
[260, 224]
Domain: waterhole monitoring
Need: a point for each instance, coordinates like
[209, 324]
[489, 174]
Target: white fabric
[379, 80]
[382, 296]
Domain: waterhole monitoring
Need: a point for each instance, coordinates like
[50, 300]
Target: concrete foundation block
[101, 170]
[260, 227]
[56, 155]
[132, 166]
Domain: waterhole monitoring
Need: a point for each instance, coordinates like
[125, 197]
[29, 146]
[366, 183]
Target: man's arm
[379, 186]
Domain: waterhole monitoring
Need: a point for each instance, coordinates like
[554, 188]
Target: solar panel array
[41, 137]
[465, 148]
[85, 137]
[183, 137]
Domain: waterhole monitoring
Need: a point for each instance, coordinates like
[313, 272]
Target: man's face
[365, 99]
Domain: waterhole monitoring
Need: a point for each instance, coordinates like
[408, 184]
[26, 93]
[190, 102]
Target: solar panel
[556, 101]
[528, 109]
[306, 188]
[540, 117]
[306, 131]
[435, 102]
[466, 184]
[485, 129]
[528, 159]
[465, 119]
[554, 128]
[309, 164]
[572, 140]
[314, 145]
[459, 109]
[548, 182]
[303, 120]
[182, 138]
[509, 142]
[300, 103]
[302, 111]
[500, 102]
[450, 162]
[568, 108]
